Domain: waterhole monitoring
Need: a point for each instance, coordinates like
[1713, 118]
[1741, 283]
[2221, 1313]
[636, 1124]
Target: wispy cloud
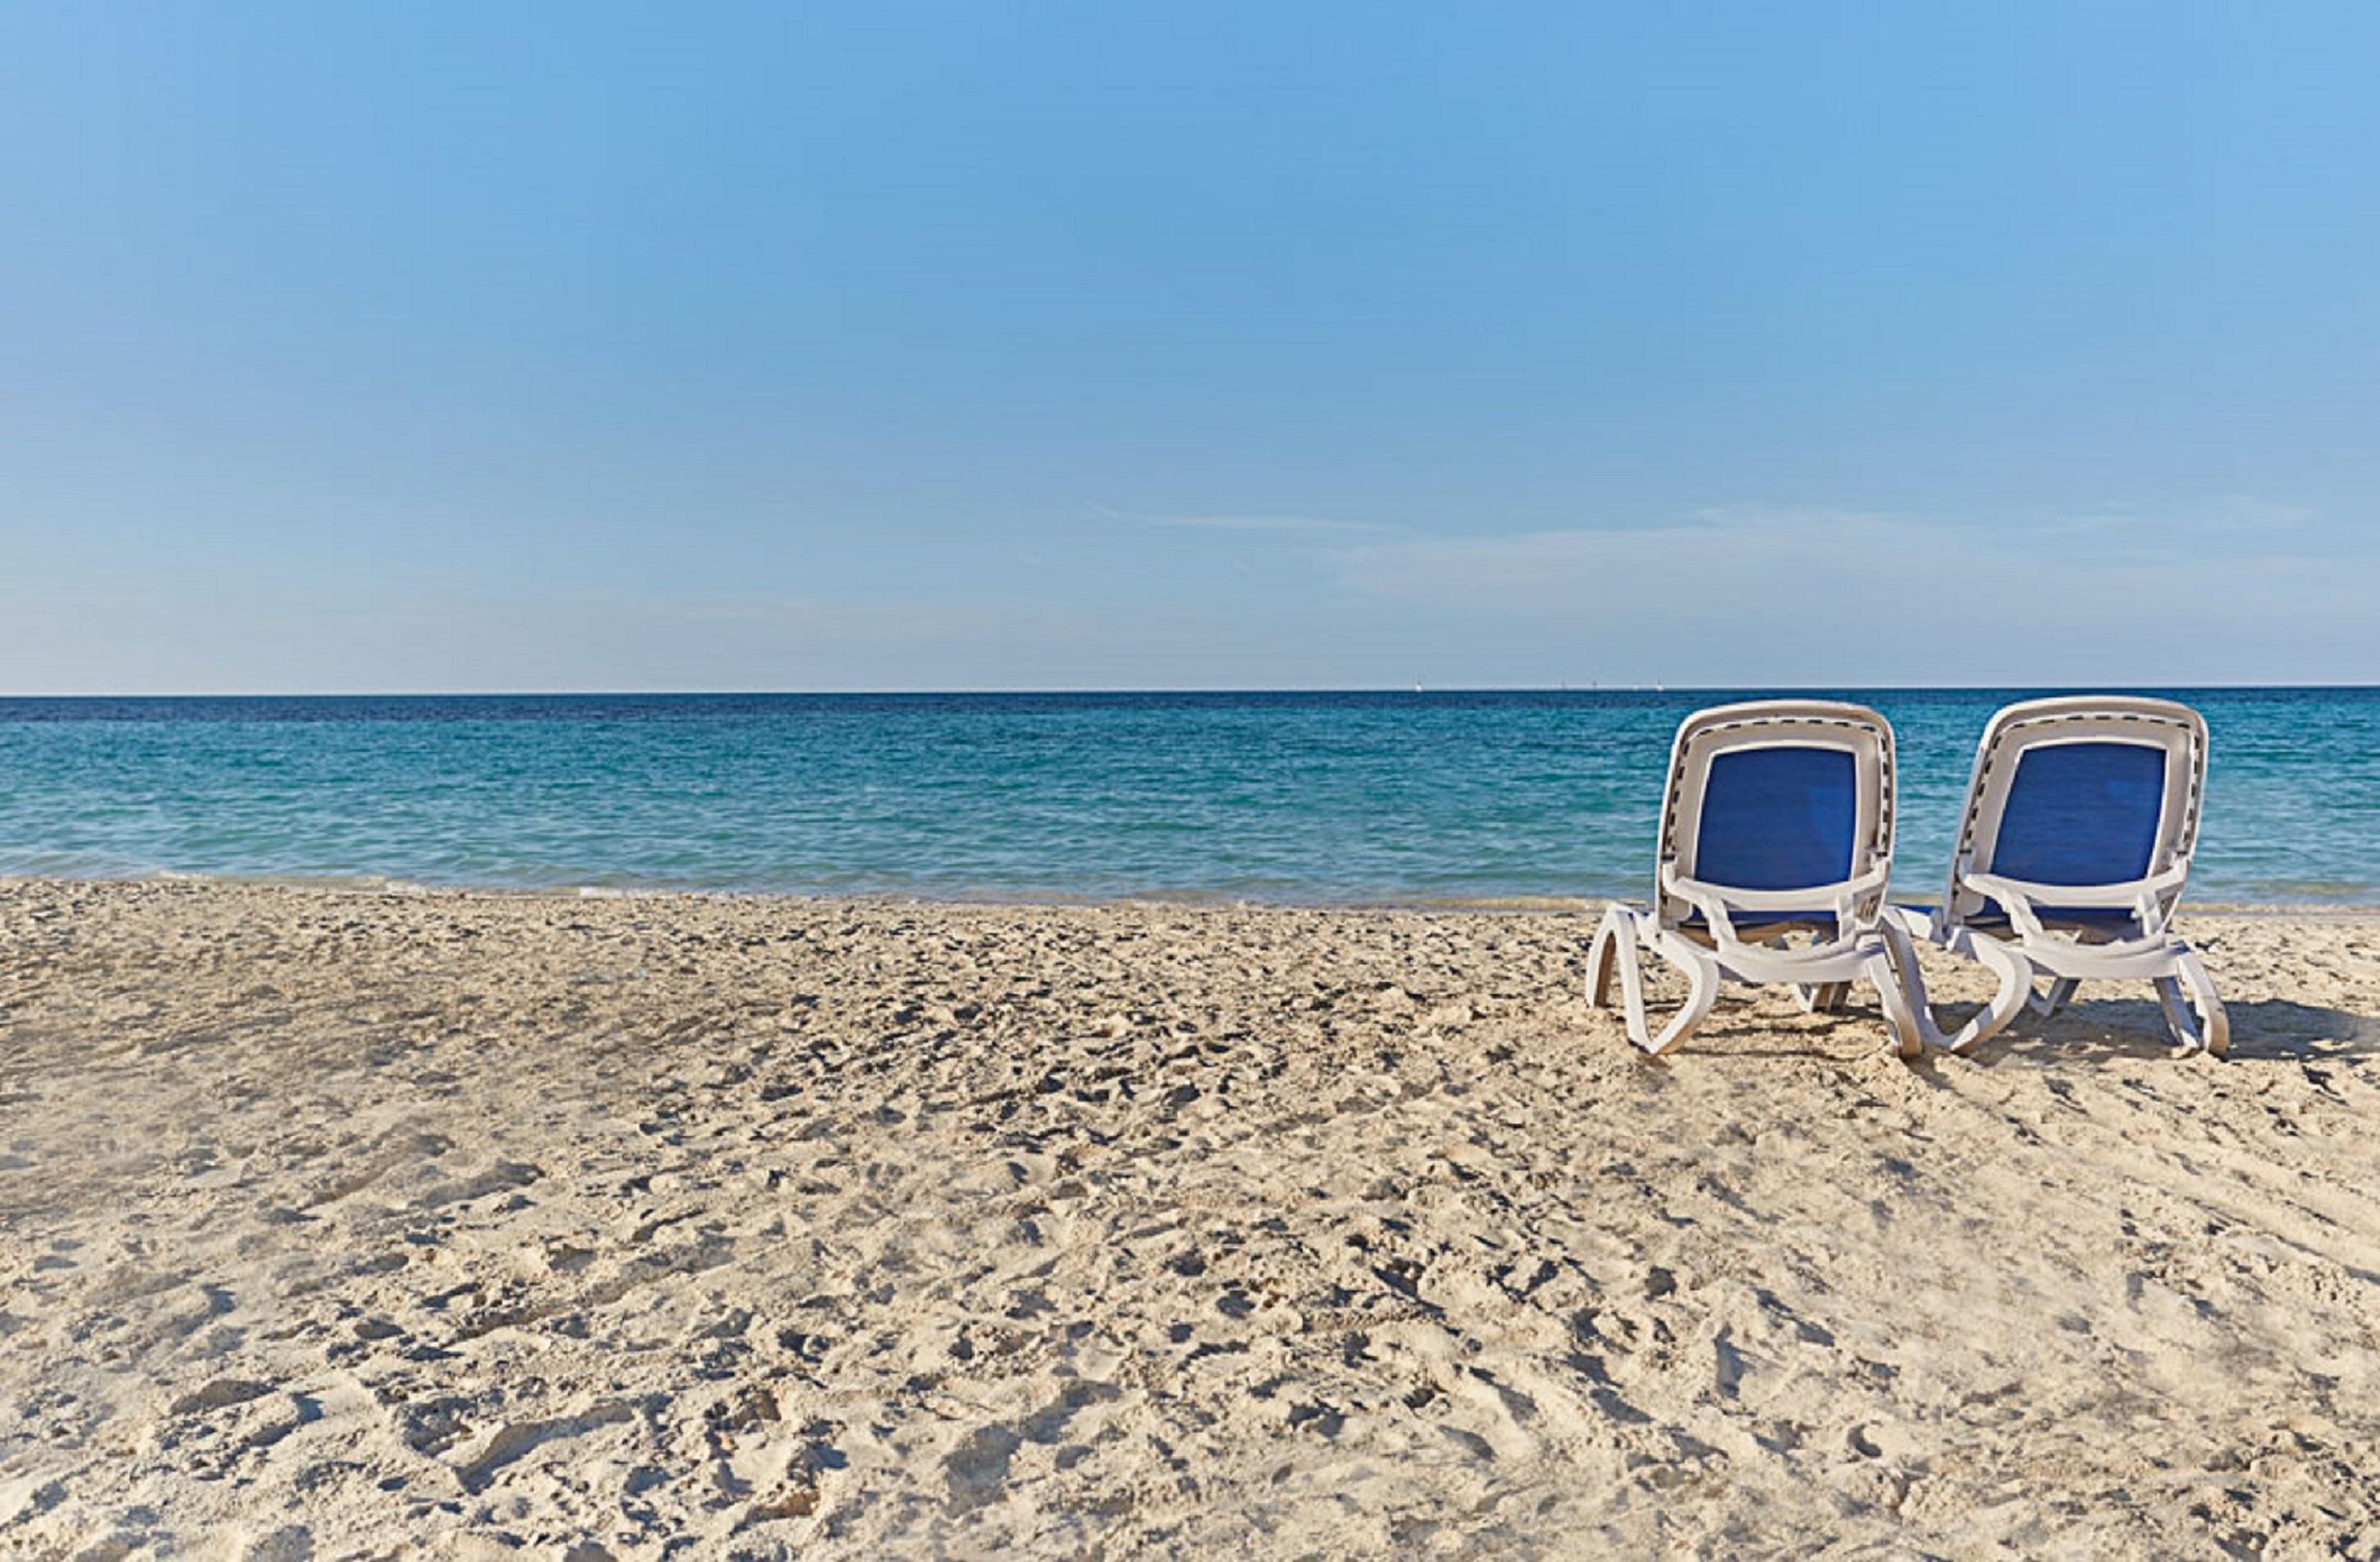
[2261, 517]
[1752, 569]
[1278, 525]
[2229, 521]
[1570, 567]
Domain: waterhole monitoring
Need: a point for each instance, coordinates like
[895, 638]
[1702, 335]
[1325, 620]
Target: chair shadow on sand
[2264, 1032]
[2267, 1031]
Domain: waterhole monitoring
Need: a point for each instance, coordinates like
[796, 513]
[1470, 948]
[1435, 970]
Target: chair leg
[2062, 990]
[1617, 927]
[2212, 1031]
[1892, 995]
[2179, 1020]
[1900, 960]
[1620, 944]
[1901, 930]
[1616, 953]
[1701, 974]
[1822, 998]
[2015, 974]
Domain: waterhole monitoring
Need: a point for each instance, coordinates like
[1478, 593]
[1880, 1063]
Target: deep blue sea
[1408, 798]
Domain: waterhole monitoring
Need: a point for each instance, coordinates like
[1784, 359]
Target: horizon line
[1110, 692]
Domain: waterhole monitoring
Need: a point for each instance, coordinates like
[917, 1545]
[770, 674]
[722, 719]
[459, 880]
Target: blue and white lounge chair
[2075, 844]
[1778, 824]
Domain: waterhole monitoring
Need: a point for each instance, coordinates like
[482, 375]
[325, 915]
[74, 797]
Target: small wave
[125, 873]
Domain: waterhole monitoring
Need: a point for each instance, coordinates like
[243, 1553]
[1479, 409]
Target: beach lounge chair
[2080, 821]
[1777, 825]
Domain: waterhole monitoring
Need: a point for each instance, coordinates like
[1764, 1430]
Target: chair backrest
[2081, 790]
[1777, 794]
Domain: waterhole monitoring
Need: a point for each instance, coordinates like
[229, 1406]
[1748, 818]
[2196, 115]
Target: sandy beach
[342, 1223]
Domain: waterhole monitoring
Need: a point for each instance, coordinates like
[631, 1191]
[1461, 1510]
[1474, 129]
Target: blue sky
[448, 346]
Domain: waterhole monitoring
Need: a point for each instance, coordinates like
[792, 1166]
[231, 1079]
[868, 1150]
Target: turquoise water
[1305, 797]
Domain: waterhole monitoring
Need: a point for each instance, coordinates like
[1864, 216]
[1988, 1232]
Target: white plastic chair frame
[2144, 948]
[1857, 945]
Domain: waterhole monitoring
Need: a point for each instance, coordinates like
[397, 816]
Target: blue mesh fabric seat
[1781, 818]
[2081, 813]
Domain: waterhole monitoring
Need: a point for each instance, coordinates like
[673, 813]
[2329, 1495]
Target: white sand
[352, 1224]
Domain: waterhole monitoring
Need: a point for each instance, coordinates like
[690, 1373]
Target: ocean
[1502, 798]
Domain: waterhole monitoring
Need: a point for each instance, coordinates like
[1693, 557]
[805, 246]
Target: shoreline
[2314, 911]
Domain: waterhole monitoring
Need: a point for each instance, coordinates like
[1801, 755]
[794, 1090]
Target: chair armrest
[2123, 892]
[1816, 897]
[2022, 899]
